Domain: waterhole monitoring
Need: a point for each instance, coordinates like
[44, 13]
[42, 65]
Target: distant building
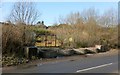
[41, 24]
[6, 23]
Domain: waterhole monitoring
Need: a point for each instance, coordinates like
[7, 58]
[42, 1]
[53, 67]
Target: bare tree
[109, 18]
[71, 19]
[24, 12]
[90, 15]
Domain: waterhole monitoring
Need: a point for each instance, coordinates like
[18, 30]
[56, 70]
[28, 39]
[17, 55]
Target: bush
[14, 38]
[41, 31]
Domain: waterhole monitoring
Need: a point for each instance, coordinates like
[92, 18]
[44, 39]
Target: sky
[51, 11]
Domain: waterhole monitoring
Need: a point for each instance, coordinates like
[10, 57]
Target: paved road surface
[103, 64]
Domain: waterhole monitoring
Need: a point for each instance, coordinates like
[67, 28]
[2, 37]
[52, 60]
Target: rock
[79, 51]
[90, 50]
[27, 61]
[67, 52]
[101, 48]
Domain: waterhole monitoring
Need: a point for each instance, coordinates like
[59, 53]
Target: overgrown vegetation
[78, 29]
[15, 37]
[41, 31]
[88, 28]
[84, 30]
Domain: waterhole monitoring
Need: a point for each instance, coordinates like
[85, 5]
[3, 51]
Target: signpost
[70, 39]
